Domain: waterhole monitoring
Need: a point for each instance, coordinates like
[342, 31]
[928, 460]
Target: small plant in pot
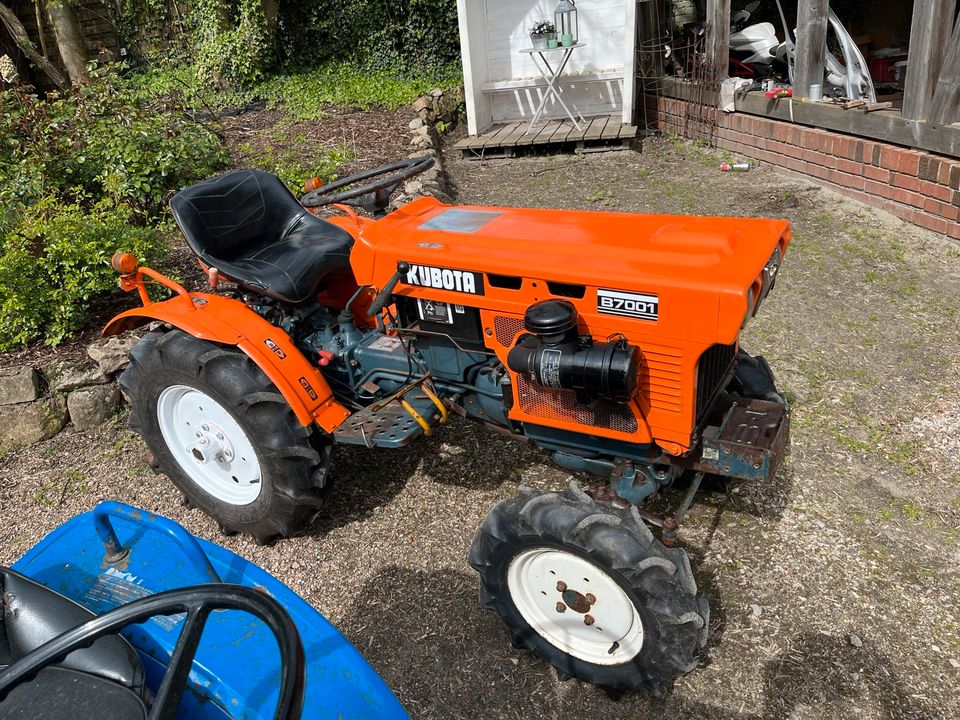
[542, 33]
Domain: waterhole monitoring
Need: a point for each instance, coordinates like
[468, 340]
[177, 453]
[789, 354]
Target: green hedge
[84, 175]
[409, 36]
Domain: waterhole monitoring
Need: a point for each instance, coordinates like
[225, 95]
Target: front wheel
[221, 431]
[589, 589]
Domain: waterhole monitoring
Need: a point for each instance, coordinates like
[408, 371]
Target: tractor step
[391, 426]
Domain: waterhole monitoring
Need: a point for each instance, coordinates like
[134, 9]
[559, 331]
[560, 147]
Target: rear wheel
[220, 430]
[589, 589]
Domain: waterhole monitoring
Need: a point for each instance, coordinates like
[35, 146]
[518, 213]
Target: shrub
[83, 175]
[57, 260]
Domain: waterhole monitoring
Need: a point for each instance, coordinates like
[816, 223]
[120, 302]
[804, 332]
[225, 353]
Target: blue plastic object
[116, 553]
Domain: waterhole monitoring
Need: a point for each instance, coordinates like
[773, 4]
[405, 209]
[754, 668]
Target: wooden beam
[929, 34]
[718, 40]
[945, 107]
[811, 45]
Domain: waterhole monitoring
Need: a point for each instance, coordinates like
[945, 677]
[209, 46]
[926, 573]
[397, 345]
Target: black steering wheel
[197, 602]
[372, 196]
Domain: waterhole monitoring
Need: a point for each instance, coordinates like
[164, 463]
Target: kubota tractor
[609, 340]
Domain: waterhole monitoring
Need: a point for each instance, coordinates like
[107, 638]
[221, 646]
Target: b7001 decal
[628, 304]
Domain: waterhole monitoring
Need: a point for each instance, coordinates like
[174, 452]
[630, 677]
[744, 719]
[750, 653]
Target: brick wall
[919, 187]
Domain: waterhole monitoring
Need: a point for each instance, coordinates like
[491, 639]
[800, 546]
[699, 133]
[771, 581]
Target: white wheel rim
[209, 445]
[598, 623]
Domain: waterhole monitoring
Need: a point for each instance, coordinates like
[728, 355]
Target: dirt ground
[834, 591]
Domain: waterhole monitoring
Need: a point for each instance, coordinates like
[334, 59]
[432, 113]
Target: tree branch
[20, 36]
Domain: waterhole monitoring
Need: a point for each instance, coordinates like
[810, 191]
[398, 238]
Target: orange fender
[230, 322]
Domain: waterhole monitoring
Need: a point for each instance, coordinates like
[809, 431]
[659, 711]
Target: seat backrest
[221, 217]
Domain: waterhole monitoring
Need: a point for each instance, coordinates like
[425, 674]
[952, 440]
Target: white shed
[503, 85]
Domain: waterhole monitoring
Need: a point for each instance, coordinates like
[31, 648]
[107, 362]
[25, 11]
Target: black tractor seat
[249, 226]
[104, 680]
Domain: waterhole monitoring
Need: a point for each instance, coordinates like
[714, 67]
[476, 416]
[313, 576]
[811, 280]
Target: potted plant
[541, 34]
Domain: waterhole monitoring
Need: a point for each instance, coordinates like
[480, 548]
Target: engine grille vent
[506, 329]
[559, 404]
[660, 377]
[713, 371]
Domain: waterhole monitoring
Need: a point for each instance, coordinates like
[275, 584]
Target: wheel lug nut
[561, 607]
[561, 586]
[219, 436]
[588, 620]
[205, 427]
[590, 598]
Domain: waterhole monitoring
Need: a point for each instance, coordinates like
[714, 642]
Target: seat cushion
[32, 614]
[250, 227]
[59, 693]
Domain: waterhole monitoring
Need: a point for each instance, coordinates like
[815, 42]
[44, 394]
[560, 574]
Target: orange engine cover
[675, 286]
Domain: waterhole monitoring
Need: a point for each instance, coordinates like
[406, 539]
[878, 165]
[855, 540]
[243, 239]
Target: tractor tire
[220, 430]
[589, 589]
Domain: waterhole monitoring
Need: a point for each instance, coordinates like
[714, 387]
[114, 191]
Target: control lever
[381, 299]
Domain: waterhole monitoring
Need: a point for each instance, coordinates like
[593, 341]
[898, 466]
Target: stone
[855, 641]
[424, 102]
[420, 141]
[416, 123]
[436, 92]
[31, 422]
[429, 174]
[19, 385]
[90, 407]
[426, 152]
[111, 353]
[423, 130]
[413, 187]
[64, 377]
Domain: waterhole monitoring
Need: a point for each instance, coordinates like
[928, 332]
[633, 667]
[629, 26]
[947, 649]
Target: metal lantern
[565, 18]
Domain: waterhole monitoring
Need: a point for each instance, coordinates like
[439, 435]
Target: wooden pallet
[595, 135]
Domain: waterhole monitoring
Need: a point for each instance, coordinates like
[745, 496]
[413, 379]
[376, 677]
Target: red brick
[875, 173]
[794, 151]
[954, 231]
[818, 171]
[846, 179]
[955, 177]
[890, 157]
[934, 190]
[909, 162]
[871, 152]
[947, 212]
[849, 166]
[943, 177]
[910, 182]
[930, 222]
[828, 160]
[795, 164]
[929, 167]
[795, 135]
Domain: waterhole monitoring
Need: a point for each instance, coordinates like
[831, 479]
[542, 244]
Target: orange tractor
[609, 340]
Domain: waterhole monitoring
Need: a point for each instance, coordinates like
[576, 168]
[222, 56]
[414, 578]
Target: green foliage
[83, 175]
[55, 262]
[286, 160]
[100, 141]
[407, 37]
[303, 95]
[233, 41]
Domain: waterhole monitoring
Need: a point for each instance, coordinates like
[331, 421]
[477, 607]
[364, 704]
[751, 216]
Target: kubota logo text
[464, 281]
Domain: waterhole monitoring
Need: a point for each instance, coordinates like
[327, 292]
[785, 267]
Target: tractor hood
[702, 262]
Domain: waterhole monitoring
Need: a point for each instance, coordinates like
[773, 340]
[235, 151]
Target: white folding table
[553, 80]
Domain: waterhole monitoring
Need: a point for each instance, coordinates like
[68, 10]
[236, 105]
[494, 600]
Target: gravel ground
[834, 590]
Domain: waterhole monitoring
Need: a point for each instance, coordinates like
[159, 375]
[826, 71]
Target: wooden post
[945, 107]
[811, 45]
[718, 40]
[929, 34]
[20, 36]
